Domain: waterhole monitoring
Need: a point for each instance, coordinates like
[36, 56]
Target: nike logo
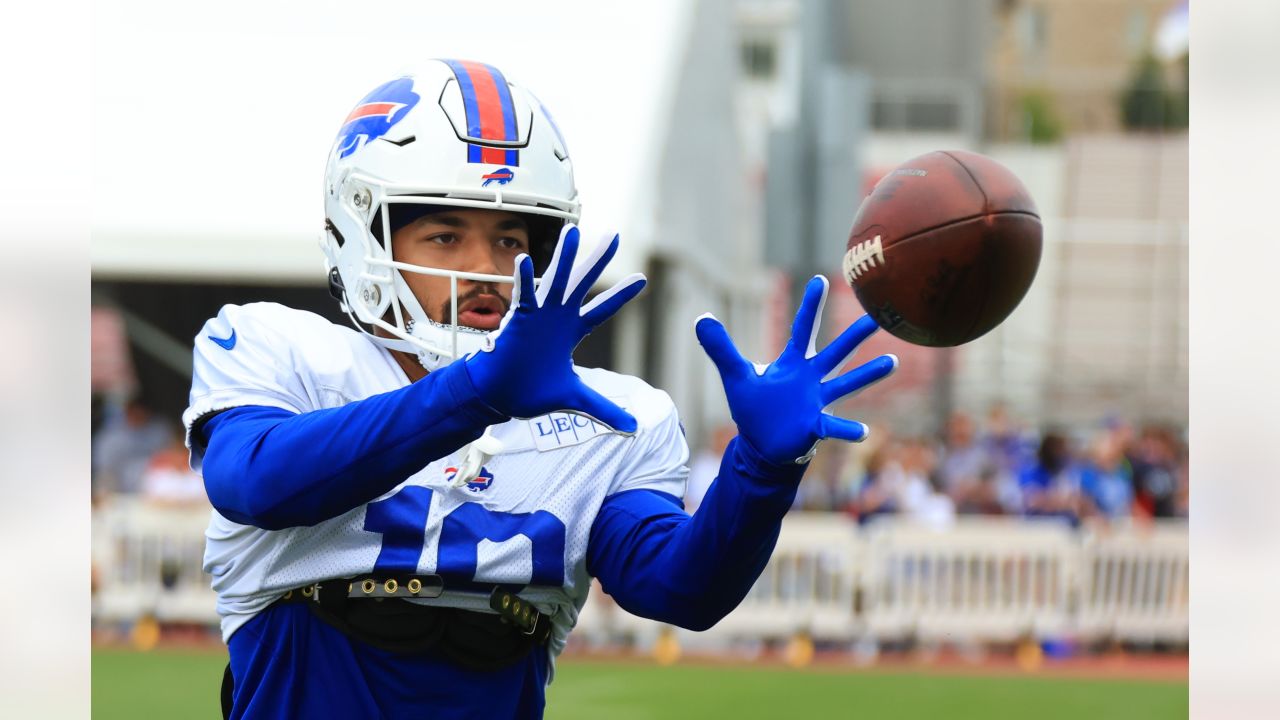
[228, 342]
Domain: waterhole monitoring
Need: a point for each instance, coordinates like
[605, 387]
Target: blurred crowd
[990, 467]
[993, 466]
[136, 453]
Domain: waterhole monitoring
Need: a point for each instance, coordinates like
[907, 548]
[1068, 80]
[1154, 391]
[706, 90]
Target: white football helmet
[454, 133]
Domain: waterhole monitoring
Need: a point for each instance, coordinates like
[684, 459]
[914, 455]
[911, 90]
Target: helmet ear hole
[375, 228]
[544, 233]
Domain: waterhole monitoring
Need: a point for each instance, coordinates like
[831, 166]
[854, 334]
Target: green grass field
[184, 684]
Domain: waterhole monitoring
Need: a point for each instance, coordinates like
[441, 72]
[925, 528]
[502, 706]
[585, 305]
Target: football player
[408, 515]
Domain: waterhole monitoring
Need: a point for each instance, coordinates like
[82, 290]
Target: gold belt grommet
[288, 595]
[506, 601]
[390, 586]
[415, 585]
[367, 586]
[308, 591]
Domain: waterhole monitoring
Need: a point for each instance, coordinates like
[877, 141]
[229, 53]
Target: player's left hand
[779, 408]
[527, 368]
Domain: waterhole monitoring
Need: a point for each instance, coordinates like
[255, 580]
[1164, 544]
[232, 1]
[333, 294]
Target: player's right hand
[526, 368]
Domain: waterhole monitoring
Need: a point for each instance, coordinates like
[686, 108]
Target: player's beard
[446, 308]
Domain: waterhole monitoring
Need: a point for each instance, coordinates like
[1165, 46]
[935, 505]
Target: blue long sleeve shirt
[274, 469]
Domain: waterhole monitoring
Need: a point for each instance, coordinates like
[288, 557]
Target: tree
[1148, 103]
[1039, 117]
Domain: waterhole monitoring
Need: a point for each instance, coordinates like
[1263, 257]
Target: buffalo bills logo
[502, 177]
[482, 482]
[375, 114]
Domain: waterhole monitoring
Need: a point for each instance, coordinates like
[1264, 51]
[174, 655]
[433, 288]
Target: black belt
[473, 640]
[334, 593]
[358, 606]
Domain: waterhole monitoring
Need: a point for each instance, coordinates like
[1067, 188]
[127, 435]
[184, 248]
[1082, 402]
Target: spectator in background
[902, 479]
[968, 470]
[1182, 500]
[878, 493]
[823, 490]
[853, 468]
[923, 497]
[1155, 472]
[1051, 484]
[123, 447]
[704, 466]
[1008, 445]
[1106, 478]
[169, 480]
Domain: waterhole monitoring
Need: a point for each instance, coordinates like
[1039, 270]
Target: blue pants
[286, 663]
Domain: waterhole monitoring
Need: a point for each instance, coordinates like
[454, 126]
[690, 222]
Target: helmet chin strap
[469, 340]
[439, 344]
[431, 361]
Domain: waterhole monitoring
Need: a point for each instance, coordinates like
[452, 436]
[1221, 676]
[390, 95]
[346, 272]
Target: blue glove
[526, 370]
[778, 408]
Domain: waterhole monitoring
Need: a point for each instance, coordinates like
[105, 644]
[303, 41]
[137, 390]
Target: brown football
[944, 248]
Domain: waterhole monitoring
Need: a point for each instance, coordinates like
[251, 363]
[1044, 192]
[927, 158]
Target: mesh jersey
[525, 521]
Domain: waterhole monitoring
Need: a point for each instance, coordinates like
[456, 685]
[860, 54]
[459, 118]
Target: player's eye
[443, 238]
[513, 243]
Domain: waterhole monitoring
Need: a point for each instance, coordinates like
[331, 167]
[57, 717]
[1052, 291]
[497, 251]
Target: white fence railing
[983, 579]
[996, 579]
[148, 561]
[1134, 583]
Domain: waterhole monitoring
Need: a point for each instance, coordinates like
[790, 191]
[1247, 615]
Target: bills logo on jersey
[502, 177]
[375, 114]
[482, 481]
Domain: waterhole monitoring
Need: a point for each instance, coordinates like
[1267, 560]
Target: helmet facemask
[438, 341]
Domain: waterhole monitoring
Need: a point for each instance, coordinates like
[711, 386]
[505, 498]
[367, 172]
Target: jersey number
[402, 520]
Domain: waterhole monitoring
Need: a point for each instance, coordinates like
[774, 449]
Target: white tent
[212, 122]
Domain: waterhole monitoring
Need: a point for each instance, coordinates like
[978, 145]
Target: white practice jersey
[525, 520]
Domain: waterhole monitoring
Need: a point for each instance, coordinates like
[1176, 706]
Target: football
[944, 248]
